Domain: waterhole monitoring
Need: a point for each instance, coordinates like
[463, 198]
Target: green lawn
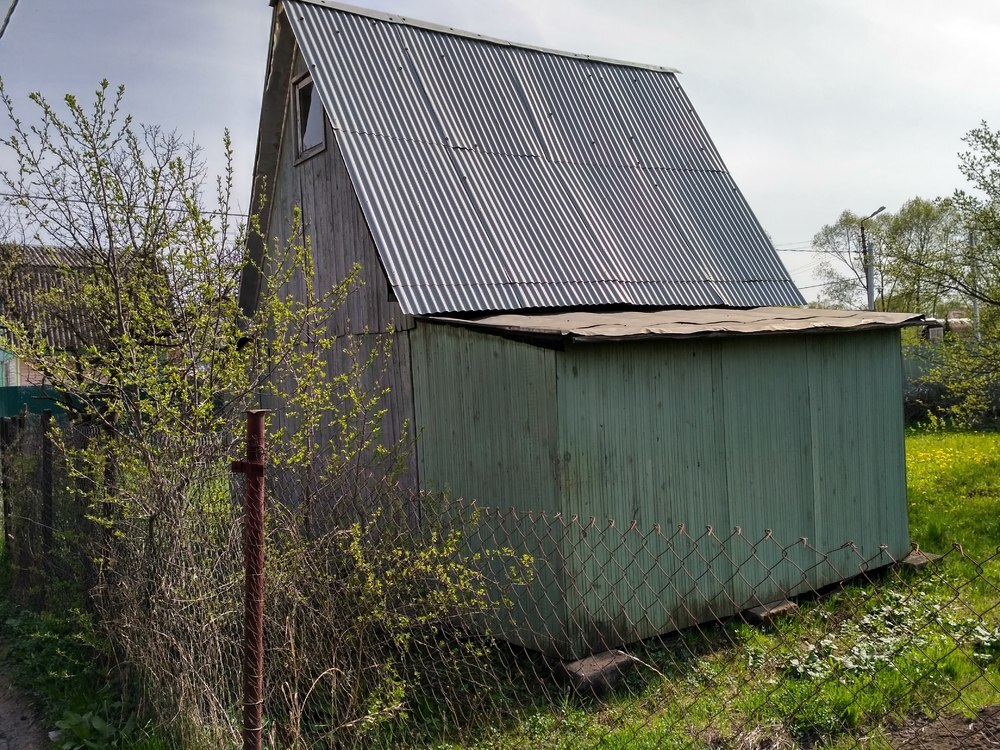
[953, 483]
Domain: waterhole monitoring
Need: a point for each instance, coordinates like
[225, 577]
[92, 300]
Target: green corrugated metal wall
[486, 414]
[802, 435]
[36, 398]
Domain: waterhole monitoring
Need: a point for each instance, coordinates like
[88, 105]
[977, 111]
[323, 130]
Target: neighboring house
[589, 319]
[27, 273]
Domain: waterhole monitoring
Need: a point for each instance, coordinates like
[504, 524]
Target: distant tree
[842, 268]
[910, 250]
[922, 238]
[974, 269]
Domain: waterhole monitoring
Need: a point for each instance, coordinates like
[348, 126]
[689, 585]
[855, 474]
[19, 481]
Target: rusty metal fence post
[253, 551]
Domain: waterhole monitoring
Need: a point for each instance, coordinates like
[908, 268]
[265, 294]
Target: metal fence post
[47, 516]
[108, 506]
[6, 441]
[253, 552]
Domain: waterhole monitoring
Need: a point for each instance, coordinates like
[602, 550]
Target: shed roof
[596, 326]
[502, 177]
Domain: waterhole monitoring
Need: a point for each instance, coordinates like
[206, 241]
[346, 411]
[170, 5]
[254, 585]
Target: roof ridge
[32, 255]
[452, 31]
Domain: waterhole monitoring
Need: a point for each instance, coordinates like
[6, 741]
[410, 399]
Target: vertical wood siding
[339, 238]
[486, 421]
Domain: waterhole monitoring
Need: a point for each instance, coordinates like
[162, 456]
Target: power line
[6, 18]
[807, 267]
[84, 201]
[825, 283]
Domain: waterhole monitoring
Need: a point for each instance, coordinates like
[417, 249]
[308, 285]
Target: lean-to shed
[588, 316]
[772, 418]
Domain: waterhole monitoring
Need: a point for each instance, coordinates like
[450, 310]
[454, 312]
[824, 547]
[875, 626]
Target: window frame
[298, 87]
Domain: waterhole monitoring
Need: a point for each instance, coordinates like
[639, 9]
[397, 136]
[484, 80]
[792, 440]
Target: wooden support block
[771, 611]
[598, 674]
[918, 558]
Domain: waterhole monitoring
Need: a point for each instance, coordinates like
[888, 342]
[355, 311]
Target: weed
[58, 657]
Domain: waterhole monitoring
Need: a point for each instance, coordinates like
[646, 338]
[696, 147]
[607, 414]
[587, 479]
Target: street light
[869, 270]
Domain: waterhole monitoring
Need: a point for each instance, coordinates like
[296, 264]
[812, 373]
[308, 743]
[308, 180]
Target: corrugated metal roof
[687, 323]
[41, 256]
[28, 272]
[497, 177]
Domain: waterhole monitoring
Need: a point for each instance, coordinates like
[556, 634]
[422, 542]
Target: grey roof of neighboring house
[26, 272]
[502, 177]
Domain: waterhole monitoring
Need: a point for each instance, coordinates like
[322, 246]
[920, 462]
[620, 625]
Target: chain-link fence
[393, 619]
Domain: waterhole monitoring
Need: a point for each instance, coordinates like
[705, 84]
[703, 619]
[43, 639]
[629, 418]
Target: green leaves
[913, 252]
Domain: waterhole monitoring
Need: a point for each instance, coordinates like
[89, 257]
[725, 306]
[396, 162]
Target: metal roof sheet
[28, 272]
[498, 177]
[584, 325]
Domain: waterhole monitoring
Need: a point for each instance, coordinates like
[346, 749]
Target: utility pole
[869, 262]
[975, 283]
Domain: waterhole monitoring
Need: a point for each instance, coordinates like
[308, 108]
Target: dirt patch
[951, 732]
[21, 726]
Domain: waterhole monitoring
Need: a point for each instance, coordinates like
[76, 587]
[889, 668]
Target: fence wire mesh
[394, 619]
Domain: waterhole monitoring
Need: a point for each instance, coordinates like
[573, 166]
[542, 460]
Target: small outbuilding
[781, 419]
[588, 319]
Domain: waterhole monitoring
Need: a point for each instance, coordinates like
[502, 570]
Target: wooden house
[590, 321]
[26, 272]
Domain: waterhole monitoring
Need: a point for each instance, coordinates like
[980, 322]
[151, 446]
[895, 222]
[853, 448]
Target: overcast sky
[815, 105]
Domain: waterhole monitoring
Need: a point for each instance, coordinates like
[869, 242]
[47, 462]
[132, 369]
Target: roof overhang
[681, 324]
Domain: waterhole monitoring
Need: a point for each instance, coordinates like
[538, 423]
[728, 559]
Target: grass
[953, 483]
[846, 671]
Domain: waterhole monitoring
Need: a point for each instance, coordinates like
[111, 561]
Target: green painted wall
[486, 430]
[801, 435]
[36, 398]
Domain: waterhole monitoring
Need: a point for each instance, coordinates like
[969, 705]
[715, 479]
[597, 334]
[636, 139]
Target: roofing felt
[500, 177]
[596, 326]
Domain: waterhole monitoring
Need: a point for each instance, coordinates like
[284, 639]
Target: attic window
[309, 116]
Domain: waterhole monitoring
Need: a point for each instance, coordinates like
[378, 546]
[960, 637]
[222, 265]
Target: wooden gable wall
[320, 186]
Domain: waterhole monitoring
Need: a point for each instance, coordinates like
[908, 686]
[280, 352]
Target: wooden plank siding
[334, 223]
[859, 449]
[486, 419]
[640, 440]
